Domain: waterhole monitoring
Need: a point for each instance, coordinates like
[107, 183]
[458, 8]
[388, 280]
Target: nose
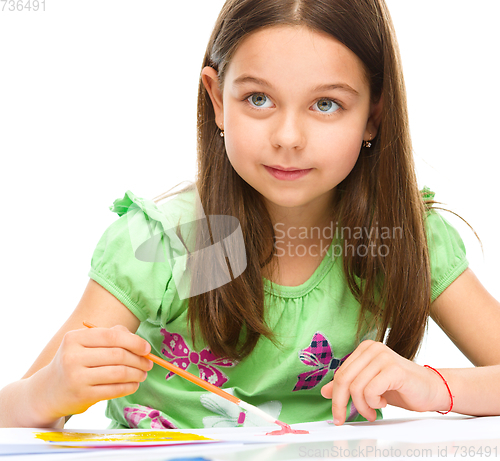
[288, 131]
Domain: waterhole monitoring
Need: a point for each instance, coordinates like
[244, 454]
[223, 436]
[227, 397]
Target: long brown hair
[393, 285]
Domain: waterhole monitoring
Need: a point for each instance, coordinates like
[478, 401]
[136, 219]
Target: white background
[100, 97]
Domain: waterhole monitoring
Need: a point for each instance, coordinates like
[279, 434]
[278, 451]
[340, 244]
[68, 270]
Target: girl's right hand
[79, 366]
[94, 364]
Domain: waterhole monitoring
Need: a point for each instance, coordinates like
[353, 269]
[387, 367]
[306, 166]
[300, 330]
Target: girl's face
[274, 114]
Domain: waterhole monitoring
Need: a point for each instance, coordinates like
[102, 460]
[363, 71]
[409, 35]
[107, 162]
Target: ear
[210, 80]
[375, 118]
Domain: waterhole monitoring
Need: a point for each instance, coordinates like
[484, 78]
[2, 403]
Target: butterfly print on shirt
[179, 354]
[320, 356]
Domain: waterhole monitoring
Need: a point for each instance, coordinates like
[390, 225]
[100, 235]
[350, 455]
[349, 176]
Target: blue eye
[326, 104]
[259, 99]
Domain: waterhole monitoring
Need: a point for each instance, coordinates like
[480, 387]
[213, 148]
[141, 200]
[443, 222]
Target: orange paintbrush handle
[186, 375]
[194, 379]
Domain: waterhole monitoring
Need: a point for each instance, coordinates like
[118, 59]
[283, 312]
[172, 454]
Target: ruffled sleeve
[446, 250]
[135, 259]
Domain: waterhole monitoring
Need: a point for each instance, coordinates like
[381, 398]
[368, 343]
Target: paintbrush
[216, 390]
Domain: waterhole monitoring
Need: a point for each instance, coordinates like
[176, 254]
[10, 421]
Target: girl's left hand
[375, 376]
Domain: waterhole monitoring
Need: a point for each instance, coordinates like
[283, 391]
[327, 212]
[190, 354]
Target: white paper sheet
[247, 444]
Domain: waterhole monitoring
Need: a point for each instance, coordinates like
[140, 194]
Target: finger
[102, 356]
[362, 347]
[377, 387]
[326, 390]
[340, 397]
[120, 327]
[117, 336]
[138, 341]
[113, 391]
[365, 353]
[116, 374]
[361, 387]
[362, 355]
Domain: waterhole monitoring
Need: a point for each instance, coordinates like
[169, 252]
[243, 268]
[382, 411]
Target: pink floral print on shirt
[177, 350]
[135, 417]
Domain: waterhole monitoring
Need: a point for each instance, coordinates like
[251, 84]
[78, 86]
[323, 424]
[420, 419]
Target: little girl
[299, 271]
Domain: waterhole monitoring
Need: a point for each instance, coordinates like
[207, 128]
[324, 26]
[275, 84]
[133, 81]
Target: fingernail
[336, 421]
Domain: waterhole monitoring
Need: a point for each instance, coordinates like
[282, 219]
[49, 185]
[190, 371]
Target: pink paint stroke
[286, 429]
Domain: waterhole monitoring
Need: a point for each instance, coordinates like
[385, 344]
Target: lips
[282, 168]
[290, 174]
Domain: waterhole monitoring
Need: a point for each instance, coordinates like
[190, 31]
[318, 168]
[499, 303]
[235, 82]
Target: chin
[286, 200]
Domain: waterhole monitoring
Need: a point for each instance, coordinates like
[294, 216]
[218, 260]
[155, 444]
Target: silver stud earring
[222, 134]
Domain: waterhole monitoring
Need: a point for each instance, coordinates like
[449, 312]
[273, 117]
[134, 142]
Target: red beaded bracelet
[447, 387]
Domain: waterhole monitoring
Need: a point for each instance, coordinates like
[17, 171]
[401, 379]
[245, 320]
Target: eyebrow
[245, 78]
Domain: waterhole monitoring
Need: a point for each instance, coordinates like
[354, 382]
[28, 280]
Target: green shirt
[315, 323]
